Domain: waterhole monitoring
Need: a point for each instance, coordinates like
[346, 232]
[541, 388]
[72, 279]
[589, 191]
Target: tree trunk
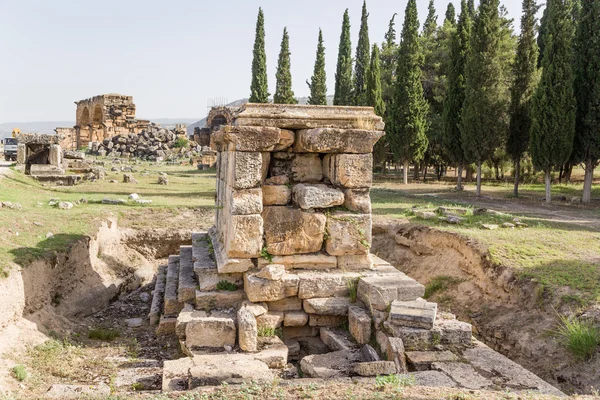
[479, 178]
[568, 172]
[459, 185]
[548, 186]
[425, 167]
[497, 170]
[560, 173]
[517, 176]
[405, 173]
[587, 181]
[416, 171]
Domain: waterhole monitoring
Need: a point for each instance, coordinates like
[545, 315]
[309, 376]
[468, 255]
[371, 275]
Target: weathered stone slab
[374, 368]
[355, 262]
[258, 289]
[395, 352]
[415, 314]
[326, 320]
[244, 236]
[288, 304]
[247, 330]
[349, 234]
[358, 200]
[186, 292]
[337, 339]
[247, 138]
[324, 284]
[244, 170]
[350, 171]
[332, 140]
[432, 379]
[307, 168]
[158, 295]
[455, 332]
[226, 265]
[463, 374]
[246, 201]
[422, 360]
[175, 376]
[186, 315]
[210, 332]
[212, 300]
[273, 352]
[327, 306]
[62, 392]
[171, 305]
[295, 332]
[216, 369]
[286, 140]
[295, 318]
[270, 320]
[336, 364]
[276, 195]
[317, 196]
[291, 231]
[166, 325]
[360, 324]
[379, 292]
[302, 261]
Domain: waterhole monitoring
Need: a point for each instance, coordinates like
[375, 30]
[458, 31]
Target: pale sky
[171, 56]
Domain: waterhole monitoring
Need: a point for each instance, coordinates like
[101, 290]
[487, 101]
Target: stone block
[246, 201]
[166, 326]
[422, 360]
[225, 264]
[454, 332]
[272, 272]
[288, 304]
[333, 140]
[247, 330]
[395, 352]
[327, 306]
[414, 314]
[276, 195]
[326, 320]
[355, 262]
[273, 352]
[350, 171]
[270, 320]
[379, 292]
[175, 374]
[247, 138]
[463, 374]
[213, 300]
[358, 200]
[55, 155]
[257, 309]
[186, 315]
[210, 332]
[280, 180]
[244, 170]
[336, 339]
[306, 168]
[244, 236]
[21, 153]
[368, 354]
[348, 234]
[216, 369]
[374, 368]
[324, 284]
[317, 196]
[291, 231]
[260, 289]
[415, 339]
[295, 318]
[286, 140]
[303, 261]
[336, 364]
[360, 324]
[295, 332]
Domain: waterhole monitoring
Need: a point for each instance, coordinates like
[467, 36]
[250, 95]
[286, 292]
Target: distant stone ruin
[285, 279]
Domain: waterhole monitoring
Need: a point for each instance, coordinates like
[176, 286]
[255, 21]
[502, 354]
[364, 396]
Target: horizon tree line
[469, 93]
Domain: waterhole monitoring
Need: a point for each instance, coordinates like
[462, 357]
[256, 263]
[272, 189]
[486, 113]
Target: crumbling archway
[85, 117]
[97, 115]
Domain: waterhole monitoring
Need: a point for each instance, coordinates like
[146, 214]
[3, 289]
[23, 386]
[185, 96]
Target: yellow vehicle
[15, 132]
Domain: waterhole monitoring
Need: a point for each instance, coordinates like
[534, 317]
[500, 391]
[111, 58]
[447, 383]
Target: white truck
[10, 149]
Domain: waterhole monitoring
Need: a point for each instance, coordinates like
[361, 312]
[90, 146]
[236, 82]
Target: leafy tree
[363, 49]
[283, 89]
[374, 93]
[343, 75]
[389, 57]
[482, 121]
[455, 91]
[259, 90]
[525, 81]
[430, 24]
[318, 82]
[451, 14]
[587, 91]
[408, 117]
[554, 105]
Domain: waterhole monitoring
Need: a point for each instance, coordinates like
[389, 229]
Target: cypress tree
[318, 82]
[408, 117]
[374, 92]
[455, 91]
[523, 86]
[343, 74]
[283, 89]
[587, 91]
[430, 24]
[482, 121]
[451, 14]
[471, 8]
[542, 35]
[553, 104]
[389, 56]
[363, 51]
[259, 90]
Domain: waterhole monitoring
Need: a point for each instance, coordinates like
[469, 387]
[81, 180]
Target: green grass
[581, 337]
[268, 332]
[227, 286]
[439, 284]
[19, 372]
[394, 381]
[25, 239]
[103, 334]
[352, 289]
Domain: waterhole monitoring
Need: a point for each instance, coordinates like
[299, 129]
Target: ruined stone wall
[68, 137]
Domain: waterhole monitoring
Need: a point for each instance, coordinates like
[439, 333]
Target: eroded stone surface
[351, 171]
[327, 306]
[359, 322]
[210, 332]
[332, 140]
[317, 196]
[379, 292]
[331, 365]
[306, 168]
[247, 330]
[276, 195]
[348, 234]
[374, 368]
[422, 360]
[291, 231]
[415, 314]
[215, 369]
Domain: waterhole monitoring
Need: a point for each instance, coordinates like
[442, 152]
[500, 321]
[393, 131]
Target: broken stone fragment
[247, 138]
[378, 292]
[257, 309]
[333, 140]
[270, 320]
[278, 180]
[317, 196]
[273, 272]
[210, 332]
[414, 314]
[244, 236]
[375, 368]
[327, 306]
[259, 289]
[286, 140]
[276, 195]
[246, 201]
[368, 354]
[247, 330]
[336, 364]
[291, 231]
[295, 318]
[351, 171]
[348, 234]
[358, 200]
[360, 324]
[422, 360]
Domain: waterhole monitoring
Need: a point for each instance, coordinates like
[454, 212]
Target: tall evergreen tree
[587, 91]
[483, 125]
[455, 92]
[471, 8]
[283, 89]
[259, 90]
[374, 93]
[318, 82]
[408, 117]
[451, 14]
[523, 86]
[554, 105]
[343, 74]
[389, 57]
[542, 35]
[430, 24]
[363, 52]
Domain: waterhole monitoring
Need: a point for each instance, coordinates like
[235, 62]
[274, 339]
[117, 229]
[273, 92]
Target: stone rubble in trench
[285, 279]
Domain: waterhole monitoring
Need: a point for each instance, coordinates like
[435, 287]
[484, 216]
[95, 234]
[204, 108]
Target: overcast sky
[171, 56]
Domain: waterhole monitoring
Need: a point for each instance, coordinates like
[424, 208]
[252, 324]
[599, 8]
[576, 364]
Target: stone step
[210, 332]
[172, 306]
[205, 267]
[413, 314]
[379, 292]
[208, 301]
[158, 295]
[186, 292]
[422, 360]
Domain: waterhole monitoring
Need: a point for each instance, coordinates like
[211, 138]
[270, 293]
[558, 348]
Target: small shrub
[264, 253]
[19, 372]
[227, 286]
[438, 284]
[264, 331]
[103, 334]
[181, 142]
[581, 337]
[352, 289]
